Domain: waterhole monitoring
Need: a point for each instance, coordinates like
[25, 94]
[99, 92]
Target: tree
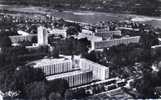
[26, 75]
[33, 29]
[55, 96]
[93, 56]
[119, 55]
[146, 85]
[72, 30]
[6, 81]
[84, 45]
[54, 52]
[159, 78]
[44, 49]
[17, 80]
[58, 86]
[146, 56]
[25, 43]
[36, 90]
[78, 27]
[134, 55]
[61, 22]
[2, 60]
[149, 39]
[34, 39]
[5, 41]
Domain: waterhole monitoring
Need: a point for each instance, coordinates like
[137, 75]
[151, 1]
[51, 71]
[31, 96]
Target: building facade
[1, 95]
[42, 36]
[75, 78]
[20, 38]
[100, 72]
[108, 34]
[54, 66]
[114, 42]
[102, 29]
[77, 71]
[58, 32]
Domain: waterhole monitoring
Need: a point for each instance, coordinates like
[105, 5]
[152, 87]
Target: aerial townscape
[67, 52]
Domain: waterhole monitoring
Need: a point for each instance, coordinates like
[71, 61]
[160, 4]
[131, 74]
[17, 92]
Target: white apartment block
[102, 30]
[100, 72]
[1, 95]
[78, 71]
[20, 38]
[108, 34]
[42, 36]
[58, 32]
[74, 78]
[114, 42]
[54, 66]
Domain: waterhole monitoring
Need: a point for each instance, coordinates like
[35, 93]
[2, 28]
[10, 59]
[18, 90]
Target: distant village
[43, 57]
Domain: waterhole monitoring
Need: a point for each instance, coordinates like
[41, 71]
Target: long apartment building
[108, 34]
[58, 32]
[21, 38]
[54, 66]
[75, 78]
[114, 42]
[100, 72]
[42, 35]
[80, 73]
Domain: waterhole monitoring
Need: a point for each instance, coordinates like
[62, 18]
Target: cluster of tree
[75, 25]
[28, 82]
[124, 55]
[148, 39]
[73, 30]
[25, 43]
[118, 58]
[147, 84]
[19, 55]
[16, 80]
[121, 55]
[140, 32]
[59, 23]
[5, 41]
[58, 86]
[62, 23]
[71, 46]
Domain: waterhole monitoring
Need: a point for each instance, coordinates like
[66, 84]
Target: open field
[83, 16]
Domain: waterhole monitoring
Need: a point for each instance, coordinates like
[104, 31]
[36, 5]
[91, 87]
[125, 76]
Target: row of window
[98, 72]
[22, 38]
[106, 44]
[79, 79]
[57, 68]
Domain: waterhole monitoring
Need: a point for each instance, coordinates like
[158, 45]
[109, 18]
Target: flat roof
[159, 39]
[55, 30]
[89, 37]
[155, 46]
[48, 61]
[57, 76]
[19, 36]
[23, 33]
